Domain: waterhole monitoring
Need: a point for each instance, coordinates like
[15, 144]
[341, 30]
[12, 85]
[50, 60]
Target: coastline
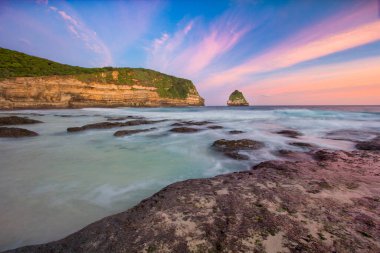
[328, 202]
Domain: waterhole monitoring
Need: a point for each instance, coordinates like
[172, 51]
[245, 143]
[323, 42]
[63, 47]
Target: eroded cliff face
[69, 92]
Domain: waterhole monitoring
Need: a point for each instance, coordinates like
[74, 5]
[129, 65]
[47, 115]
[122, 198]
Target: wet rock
[215, 127]
[301, 144]
[295, 206]
[235, 132]
[184, 130]
[15, 120]
[293, 155]
[350, 135]
[133, 131]
[290, 133]
[108, 125]
[191, 123]
[231, 148]
[14, 132]
[373, 144]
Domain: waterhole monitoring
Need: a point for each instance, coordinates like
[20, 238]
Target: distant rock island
[28, 82]
[237, 99]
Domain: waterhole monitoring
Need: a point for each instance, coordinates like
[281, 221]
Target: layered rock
[237, 99]
[69, 92]
[329, 203]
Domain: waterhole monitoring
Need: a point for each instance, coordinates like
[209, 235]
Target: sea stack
[237, 99]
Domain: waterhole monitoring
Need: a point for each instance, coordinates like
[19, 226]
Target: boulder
[14, 132]
[15, 120]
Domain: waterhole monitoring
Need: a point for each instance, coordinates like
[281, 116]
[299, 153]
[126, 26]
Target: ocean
[57, 183]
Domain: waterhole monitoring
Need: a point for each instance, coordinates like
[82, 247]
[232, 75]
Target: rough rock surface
[15, 120]
[69, 92]
[231, 148]
[237, 99]
[330, 204]
[107, 125]
[184, 130]
[14, 132]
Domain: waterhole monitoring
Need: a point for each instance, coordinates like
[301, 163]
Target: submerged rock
[215, 127]
[301, 144]
[184, 130]
[289, 133]
[124, 118]
[14, 132]
[15, 120]
[107, 125]
[191, 123]
[235, 132]
[132, 131]
[231, 148]
[237, 99]
[278, 206]
[373, 144]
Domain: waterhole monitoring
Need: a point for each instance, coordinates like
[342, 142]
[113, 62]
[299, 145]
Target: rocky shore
[327, 203]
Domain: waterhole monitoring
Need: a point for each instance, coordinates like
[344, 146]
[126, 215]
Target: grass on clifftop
[16, 64]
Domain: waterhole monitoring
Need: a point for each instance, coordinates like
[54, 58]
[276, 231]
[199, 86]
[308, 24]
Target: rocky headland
[237, 99]
[28, 82]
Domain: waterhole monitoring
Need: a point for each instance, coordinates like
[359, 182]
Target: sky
[309, 52]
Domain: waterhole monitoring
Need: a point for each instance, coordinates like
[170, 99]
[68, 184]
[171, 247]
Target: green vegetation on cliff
[237, 95]
[16, 64]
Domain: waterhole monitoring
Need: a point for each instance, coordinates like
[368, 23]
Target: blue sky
[276, 52]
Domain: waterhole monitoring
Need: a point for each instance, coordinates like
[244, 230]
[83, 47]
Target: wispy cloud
[313, 43]
[195, 46]
[91, 41]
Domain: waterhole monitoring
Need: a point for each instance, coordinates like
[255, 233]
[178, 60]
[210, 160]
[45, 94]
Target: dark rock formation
[301, 144]
[373, 144]
[235, 132]
[15, 120]
[14, 132]
[290, 133]
[237, 99]
[215, 127]
[191, 123]
[278, 206]
[231, 148]
[107, 125]
[184, 130]
[132, 131]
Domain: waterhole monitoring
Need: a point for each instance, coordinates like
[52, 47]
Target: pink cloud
[194, 47]
[310, 44]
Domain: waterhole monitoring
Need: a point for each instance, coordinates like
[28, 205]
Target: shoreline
[247, 210]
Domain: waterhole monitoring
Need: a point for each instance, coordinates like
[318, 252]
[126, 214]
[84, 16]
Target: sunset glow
[314, 52]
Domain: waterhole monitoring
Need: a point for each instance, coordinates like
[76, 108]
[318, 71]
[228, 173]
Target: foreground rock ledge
[328, 204]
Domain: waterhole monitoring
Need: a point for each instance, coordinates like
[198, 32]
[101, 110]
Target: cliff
[237, 99]
[31, 82]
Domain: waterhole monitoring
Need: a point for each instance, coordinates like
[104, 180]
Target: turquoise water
[56, 183]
